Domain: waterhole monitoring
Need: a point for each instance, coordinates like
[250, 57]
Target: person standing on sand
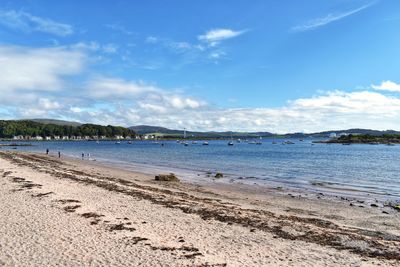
[59, 154]
[47, 151]
[83, 155]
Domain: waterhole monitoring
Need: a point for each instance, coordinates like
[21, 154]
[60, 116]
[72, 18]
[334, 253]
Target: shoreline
[251, 184]
[241, 220]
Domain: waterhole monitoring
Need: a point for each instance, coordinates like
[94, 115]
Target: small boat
[252, 142]
[230, 143]
[129, 142]
[239, 140]
[259, 142]
[194, 142]
[118, 142]
[346, 144]
[205, 143]
[185, 144]
[289, 143]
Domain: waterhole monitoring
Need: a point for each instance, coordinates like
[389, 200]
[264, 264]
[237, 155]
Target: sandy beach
[68, 212]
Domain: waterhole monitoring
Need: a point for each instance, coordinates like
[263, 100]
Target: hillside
[147, 129]
[27, 128]
[55, 122]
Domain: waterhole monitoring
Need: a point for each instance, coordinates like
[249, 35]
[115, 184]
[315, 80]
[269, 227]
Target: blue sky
[279, 66]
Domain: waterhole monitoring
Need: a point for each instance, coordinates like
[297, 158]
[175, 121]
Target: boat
[129, 142]
[185, 143]
[289, 143]
[118, 142]
[194, 142]
[205, 143]
[259, 142]
[230, 143]
[252, 142]
[238, 141]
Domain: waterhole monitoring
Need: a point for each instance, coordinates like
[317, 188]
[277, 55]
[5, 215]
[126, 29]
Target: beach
[70, 212]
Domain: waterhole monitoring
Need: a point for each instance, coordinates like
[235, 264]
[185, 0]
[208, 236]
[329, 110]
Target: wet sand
[79, 213]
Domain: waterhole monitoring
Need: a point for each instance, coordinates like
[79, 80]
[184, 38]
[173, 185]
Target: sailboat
[205, 143]
[259, 142]
[185, 143]
[230, 143]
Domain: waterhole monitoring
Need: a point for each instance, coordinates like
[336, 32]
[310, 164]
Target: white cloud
[28, 23]
[147, 97]
[151, 39]
[334, 110]
[319, 22]
[33, 83]
[113, 88]
[214, 36]
[119, 28]
[110, 48]
[37, 69]
[387, 86]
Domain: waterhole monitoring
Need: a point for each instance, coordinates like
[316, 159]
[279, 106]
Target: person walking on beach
[59, 154]
[83, 155]
[47, 151]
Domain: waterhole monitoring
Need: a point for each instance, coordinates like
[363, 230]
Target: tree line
[9, 129]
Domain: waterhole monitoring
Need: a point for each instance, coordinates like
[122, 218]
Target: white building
[332, 135]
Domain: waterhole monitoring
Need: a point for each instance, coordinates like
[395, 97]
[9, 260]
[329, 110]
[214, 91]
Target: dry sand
[72, 213]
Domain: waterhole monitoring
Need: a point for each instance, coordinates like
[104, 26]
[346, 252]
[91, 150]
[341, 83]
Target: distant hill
[147, 129]
[356, 131]
[56, 122]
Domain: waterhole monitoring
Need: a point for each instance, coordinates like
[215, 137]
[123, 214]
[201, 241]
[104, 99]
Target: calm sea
[355, 169]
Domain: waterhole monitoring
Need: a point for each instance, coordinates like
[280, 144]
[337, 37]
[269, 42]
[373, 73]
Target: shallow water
[359, 169]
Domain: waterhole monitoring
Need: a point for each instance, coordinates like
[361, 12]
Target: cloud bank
[37, 83]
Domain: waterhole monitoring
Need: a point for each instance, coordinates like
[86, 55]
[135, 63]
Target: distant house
[118, 137]
[38, 138]
[18, 137]
[332, 135]
[103, 137]
[56, 137]
[65, 137]
[47, 138]
[148, 136]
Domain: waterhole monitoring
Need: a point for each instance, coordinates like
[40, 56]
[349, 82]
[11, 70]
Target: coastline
[234, 224]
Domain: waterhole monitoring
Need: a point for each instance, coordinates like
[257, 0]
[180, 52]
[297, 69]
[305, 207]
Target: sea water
[358, 168]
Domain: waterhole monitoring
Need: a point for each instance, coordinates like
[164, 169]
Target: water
[355, 169]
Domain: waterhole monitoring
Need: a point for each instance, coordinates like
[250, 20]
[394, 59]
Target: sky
[212, 65]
